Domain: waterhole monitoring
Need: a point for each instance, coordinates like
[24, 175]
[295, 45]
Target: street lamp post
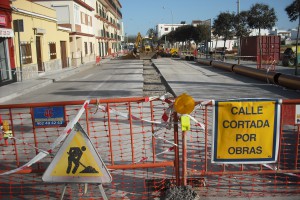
[171, 17]
[208, 39]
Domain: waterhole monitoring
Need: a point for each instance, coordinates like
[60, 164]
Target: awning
[4, 32]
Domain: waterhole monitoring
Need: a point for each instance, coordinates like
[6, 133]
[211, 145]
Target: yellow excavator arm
[138, 40]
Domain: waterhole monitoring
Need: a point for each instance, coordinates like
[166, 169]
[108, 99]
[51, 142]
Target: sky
[141, 15]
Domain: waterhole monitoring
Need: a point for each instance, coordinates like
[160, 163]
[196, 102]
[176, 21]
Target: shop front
[7, 65]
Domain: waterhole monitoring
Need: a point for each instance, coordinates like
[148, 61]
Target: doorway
[39, 54]
[4, 67]
[63, 53]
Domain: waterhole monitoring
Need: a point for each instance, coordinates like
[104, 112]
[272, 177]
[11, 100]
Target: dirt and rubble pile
[129, 56]
[180, 193]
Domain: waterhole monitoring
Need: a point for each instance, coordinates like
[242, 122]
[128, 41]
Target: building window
[85, 48]
[82, 18]
[86, 19]
[166, 29]
[91, 47]
[90, 22]
[52, 47]
[76, 14]
[26, 53]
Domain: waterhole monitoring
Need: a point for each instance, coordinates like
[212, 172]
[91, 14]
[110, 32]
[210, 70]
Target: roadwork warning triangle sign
[77, 161]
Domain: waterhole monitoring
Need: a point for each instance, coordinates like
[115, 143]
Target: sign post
[184, 105]
[246, 131]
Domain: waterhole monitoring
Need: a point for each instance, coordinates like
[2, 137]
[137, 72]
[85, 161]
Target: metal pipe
[289, 81]
[184, 159]
[131, 133]
[80, 102]
[221, 173]
[204, 61]
[176, 149]
[223, 65]
[152, 130]
[143, 165]
[270, 77]
[110, 135]
[111, 167]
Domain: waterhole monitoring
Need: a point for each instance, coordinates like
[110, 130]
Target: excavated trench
[153, 81]
[155, 85]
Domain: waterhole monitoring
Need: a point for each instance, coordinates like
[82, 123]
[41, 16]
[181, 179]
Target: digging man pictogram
[75, 153]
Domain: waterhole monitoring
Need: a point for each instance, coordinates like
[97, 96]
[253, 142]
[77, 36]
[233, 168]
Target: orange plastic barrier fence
[140, 144]
[245, 180]
[266, 62]
[141, 164]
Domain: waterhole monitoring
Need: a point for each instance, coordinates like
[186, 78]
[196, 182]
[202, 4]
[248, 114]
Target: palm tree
[293, 11]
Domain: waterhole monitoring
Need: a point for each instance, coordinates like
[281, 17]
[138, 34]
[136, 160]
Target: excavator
[143, 47]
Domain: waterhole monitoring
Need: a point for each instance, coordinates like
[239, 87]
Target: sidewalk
[16, 89]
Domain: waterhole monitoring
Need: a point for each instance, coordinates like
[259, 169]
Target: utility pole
[172, 29]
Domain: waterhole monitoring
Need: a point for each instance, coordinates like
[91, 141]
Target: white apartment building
[95, 27]
[163, 29]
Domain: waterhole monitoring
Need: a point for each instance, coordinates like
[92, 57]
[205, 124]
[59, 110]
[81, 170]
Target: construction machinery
[143, 44]
[289, 56]
[143, 47]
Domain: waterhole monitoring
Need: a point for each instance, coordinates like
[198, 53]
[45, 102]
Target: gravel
[180, 193]
[153, 85]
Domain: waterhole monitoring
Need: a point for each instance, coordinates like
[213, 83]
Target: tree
[203, 32]
[131, 38]
[188, 33]
[151, 32]
[293, 11]
[223, 26]
[153, 35]
[183, 33]
[261, 16]
[240, 25]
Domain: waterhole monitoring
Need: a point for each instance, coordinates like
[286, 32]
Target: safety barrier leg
[184, 159]
[176, 149]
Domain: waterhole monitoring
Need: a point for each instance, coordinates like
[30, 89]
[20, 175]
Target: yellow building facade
[95, 27]
[40, 44]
